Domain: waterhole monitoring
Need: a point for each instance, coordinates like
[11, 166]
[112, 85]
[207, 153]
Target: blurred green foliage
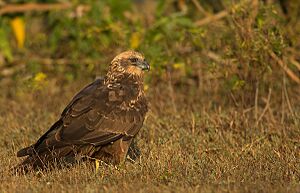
[80, 42]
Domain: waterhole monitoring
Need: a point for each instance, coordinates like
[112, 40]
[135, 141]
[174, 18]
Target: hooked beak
[144, 65]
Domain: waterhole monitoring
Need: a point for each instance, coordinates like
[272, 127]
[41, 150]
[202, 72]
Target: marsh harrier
[101, 121]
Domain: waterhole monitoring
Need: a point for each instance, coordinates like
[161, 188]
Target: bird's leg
[133, 152]
[97, 163]
[120, 151]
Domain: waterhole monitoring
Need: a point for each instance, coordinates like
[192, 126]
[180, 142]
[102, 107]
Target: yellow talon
[97, 165]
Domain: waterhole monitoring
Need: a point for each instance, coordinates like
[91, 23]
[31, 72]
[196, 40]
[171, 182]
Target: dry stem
[14, 8]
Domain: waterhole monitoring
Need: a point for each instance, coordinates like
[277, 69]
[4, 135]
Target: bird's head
[130, 62]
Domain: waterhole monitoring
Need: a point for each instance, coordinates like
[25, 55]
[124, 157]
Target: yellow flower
[135, 40]
[180, 66]
[18, 27]
[40, 77]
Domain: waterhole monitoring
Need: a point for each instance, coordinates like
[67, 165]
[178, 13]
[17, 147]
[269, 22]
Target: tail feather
[25, 151]
[44, 160]
[30, 163]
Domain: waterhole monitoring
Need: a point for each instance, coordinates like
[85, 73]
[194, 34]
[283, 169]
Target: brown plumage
[100, 121]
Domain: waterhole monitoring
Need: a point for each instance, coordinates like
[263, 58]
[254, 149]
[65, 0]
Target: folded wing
[91, 118]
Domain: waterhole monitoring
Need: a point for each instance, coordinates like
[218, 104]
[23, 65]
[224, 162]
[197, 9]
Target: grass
[185, 147]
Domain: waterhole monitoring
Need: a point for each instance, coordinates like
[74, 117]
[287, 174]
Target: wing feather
[91, 118]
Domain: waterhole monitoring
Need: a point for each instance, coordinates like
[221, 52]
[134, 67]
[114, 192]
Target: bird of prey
[100, 122]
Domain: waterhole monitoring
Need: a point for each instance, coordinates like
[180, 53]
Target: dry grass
[187, 145]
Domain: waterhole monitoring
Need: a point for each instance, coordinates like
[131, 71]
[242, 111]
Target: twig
[266, 107]
[218, 58]
[214, 57]
[270, 111]
[288, 71]
[14, 8]
[287, 98]
[234, 100]
[7, 71]
[224, 13]
[200, 8]
[282, 102]
[297, 64]
[247, 110]
[256, 101]
[212, 18]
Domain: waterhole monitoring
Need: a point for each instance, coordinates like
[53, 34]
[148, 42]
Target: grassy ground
[185, 147]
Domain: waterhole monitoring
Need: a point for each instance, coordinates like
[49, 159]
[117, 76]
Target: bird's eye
[133, 60]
